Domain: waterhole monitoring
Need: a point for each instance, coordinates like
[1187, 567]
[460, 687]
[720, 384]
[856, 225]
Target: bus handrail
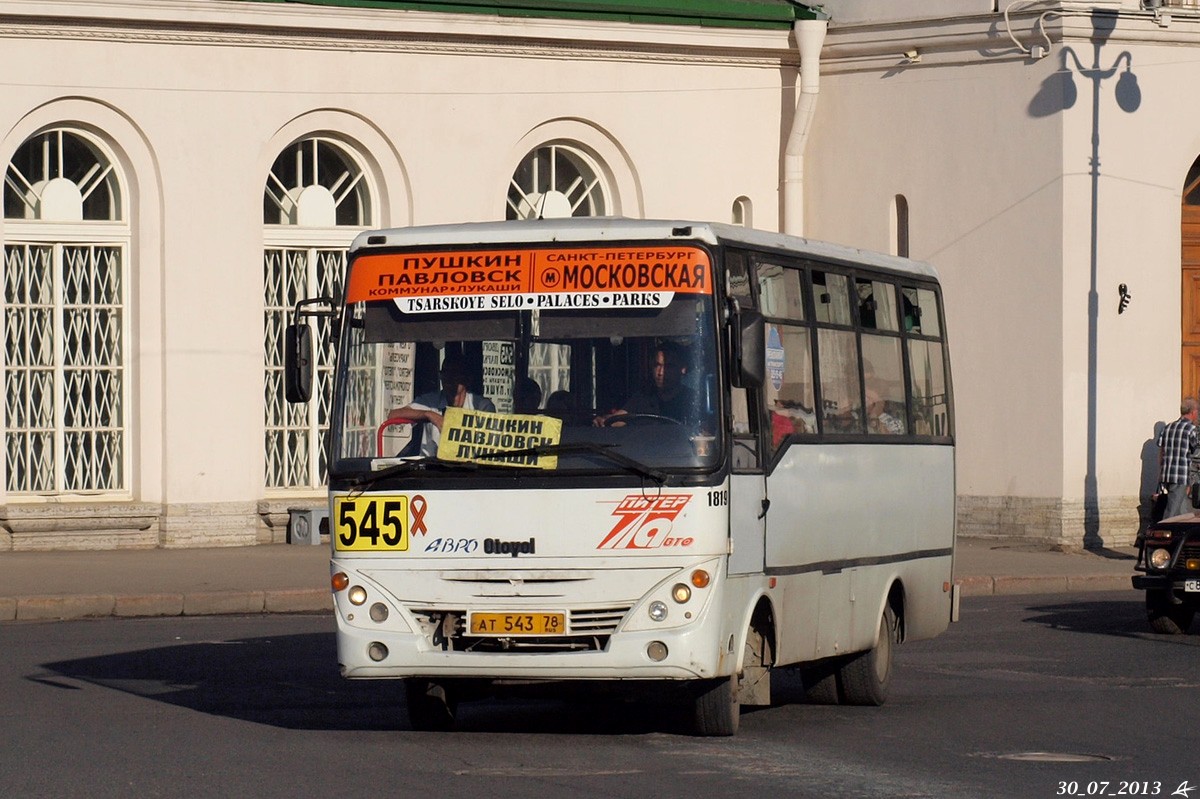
[386, 424]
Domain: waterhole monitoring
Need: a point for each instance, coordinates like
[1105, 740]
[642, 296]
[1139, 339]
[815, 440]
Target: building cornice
[301, 27]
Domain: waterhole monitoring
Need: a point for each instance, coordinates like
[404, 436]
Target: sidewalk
[279, 578]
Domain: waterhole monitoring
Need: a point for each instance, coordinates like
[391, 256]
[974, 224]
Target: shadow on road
[292, 682]
[1125, 618]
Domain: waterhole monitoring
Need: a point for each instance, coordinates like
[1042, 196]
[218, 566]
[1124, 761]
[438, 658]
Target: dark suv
[1169, 559]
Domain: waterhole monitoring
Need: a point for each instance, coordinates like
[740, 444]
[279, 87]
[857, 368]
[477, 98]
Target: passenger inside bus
[527, 395]
[560, 404]
[428, 408]
[792, 412]
[878, 418]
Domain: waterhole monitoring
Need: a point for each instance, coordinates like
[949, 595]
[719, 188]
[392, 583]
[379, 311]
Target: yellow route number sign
[366, 524]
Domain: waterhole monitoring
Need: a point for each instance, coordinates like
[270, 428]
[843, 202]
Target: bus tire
[715, 707]
[432, 705]
[866, 677]
[1165, 616]
[820, 682]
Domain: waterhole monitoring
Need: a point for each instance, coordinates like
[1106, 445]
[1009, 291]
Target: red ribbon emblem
[418, 506]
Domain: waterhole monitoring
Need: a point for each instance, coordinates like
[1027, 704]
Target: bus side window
[926, 360]
[789, 388]
[841, 395]
[920, 312]
[876, 304]
[831, 298]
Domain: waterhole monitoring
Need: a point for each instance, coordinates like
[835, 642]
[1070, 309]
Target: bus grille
[590, 629]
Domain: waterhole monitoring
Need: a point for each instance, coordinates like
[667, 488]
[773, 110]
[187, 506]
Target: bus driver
[668, 396]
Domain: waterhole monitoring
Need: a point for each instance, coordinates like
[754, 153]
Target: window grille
[315, 200]
[65, 359]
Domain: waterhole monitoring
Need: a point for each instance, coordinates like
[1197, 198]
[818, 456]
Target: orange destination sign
[489, 280]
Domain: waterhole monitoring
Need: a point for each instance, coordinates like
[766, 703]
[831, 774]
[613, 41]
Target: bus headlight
[357, 595]
[681, 593]
[1159, 558]
[658, 610]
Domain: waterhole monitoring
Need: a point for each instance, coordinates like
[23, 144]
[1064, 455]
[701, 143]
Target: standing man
[1177, 444]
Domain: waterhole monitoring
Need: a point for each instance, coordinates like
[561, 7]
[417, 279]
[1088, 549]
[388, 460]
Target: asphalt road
[1029, 696]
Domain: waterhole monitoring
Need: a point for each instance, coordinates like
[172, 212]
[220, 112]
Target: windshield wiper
[412, 465]
[589, 447]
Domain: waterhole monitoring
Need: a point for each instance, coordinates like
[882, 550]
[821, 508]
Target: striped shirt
[1178, 442]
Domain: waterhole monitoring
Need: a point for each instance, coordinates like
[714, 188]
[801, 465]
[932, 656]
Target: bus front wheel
[715, 707]
[866, 677]
[432, 706]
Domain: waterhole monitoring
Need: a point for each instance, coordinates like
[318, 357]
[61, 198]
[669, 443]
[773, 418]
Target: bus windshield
[587, 378]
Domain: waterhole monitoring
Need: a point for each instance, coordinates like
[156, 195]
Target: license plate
[1191, 586]
[527, 623]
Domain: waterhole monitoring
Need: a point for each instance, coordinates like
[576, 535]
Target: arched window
[557, 180]
[315, 200]
[66, 325]
[743, 212]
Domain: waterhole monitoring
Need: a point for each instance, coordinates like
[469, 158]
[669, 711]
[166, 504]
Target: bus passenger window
[921, 312]
[779, 292]
[841, 403]
[876, 304]
[931, 401]
[789, 388]
[831, 298]
[883, 373]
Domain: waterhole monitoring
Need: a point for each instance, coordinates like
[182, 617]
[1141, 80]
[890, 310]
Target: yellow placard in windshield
[480, 437]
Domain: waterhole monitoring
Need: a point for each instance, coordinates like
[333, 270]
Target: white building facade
[179, 173]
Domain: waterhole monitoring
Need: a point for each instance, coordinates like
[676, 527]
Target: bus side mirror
[750, 350]
[297, 363]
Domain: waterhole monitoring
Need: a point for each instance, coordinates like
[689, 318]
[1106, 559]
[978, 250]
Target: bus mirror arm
[749, 349]
[766, 506]
[298, 349]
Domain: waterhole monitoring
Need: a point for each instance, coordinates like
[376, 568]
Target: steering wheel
[386, 424]
[639, 417]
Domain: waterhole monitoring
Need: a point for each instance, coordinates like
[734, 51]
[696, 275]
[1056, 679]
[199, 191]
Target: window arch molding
[133, 239]
[385, 172]
[612, 162]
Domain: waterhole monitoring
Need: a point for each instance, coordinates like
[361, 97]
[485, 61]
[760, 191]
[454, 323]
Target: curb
[207, 603]
[1042, 584]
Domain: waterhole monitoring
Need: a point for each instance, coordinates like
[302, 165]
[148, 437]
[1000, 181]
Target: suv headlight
[1159, 558]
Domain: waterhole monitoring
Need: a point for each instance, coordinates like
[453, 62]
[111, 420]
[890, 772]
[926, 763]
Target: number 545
[371, 523]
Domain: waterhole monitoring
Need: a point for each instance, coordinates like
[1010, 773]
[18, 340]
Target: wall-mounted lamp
[912, 56]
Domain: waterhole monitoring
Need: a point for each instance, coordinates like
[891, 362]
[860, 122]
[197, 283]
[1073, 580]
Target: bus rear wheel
[866, 677]
[432, 705]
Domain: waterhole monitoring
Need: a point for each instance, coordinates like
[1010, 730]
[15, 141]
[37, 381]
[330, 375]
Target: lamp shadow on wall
[1058, 93]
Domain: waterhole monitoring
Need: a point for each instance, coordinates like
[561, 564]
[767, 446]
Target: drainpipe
[810, 36]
